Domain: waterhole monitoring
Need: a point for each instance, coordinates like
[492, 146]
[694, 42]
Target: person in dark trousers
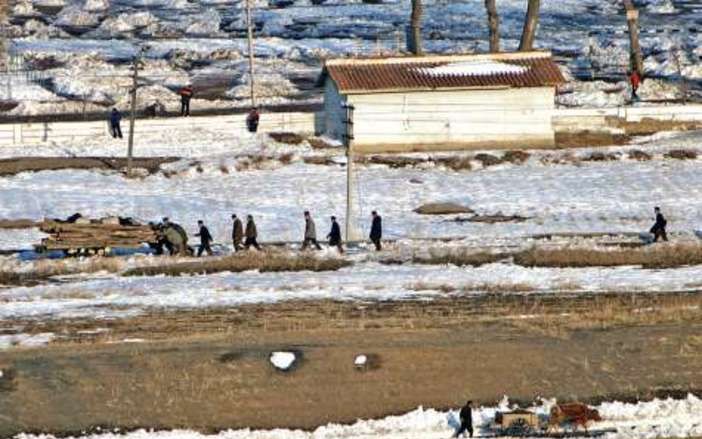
[252, 120]
[466, 416]
[658, 228]
[115, 119]
[205, 239]
[251, 234]
[635, 81]
[186, 93]
[237, 233]
[376, 232]
[334, 235]
[310, 233]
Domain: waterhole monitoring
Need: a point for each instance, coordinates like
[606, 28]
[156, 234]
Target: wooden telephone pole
[132, 113]
[348, 141]
[632, 21]
[493, 25]
[249, 31]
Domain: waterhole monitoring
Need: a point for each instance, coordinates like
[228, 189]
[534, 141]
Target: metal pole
[132, 115]
[249, 26]
[348, 137]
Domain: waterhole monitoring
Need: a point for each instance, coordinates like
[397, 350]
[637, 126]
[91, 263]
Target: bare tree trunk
[531, 23]
[632, 20]
[414, 37]
[493, 25]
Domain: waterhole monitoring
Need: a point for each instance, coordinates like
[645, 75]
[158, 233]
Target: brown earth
[34, 164]
[209, 370]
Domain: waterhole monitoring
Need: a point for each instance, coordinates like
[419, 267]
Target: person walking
[252, 120]
[186, 93]
[658, 228]
[115, 119]
[635, 81]
[237, 233]
[334, 235]
[251, 234]
[466, 416]
[376, 232]
[205, 239]
[310, 233]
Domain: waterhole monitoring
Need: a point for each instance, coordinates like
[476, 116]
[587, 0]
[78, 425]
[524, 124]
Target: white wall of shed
[486, 117]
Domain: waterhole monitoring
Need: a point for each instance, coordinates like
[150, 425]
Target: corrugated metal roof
[376, 75]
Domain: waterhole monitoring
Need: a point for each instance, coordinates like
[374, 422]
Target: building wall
[334, 113]
[435, 120]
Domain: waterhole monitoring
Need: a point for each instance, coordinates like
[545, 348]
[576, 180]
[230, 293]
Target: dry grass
[286, 158]
[442, 209]
[263, 262]
[599, 156]
[458, 258]
[223, 169]
[455, 163]
[658, 256]
[395, 161]
[637, 154]
[318, 143]
[319, 160]
[589, 138]
[681, 154]
[286, 137]
[612, 312]
[490, 288]
[46, 269]
[488, 159]
[516, 157]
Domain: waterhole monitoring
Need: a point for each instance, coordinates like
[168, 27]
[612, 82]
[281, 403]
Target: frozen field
[667, 418]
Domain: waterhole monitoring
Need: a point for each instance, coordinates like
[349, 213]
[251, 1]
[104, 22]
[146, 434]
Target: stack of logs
[94, 234]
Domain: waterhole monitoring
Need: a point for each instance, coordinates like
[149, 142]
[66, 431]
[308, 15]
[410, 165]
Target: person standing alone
[115, 119]
[376, 232]
[186, 93]
[334, 235]
[310, 233]
[466, 416]
[205, 239]
[635, 81]
[252, 120]
[237, 233]
[658, 228]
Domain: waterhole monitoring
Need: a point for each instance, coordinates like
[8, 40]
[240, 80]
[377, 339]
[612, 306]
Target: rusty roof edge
[502, 56]
[448, 88]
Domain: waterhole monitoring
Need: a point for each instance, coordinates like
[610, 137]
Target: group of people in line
[173, 238]
[186, 94]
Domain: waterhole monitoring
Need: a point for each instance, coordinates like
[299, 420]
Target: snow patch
[474, 68]
[283, 360]
[26, 340]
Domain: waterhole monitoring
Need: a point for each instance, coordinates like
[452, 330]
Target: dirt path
[34, 164]
[209, 370]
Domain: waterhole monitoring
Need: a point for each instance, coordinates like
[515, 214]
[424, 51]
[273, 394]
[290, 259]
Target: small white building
[441, 102]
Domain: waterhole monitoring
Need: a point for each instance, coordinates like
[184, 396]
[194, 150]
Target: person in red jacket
[185, 94]
[635, 80]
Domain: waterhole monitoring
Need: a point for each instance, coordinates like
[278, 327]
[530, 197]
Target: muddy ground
[209, 370]
[34, 164]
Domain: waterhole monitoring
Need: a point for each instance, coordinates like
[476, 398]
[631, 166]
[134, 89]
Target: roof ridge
[502, 56]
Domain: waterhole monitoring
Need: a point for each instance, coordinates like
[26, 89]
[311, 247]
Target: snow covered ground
[659, 418]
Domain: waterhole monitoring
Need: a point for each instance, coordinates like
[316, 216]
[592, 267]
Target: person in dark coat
[186, 93]
[237, 233]
[252, 120]
[251, 234]
[115, 119]
[310, 233]
[658, 228]
[376, 233]
[334, 235]
[205, 239]
[466, 416]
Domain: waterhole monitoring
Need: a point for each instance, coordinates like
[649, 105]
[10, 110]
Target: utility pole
[348, 140]
[249, 30]
[632, 21]
[493, 25]
[414, 39]
[531, 23]
[132, 113]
